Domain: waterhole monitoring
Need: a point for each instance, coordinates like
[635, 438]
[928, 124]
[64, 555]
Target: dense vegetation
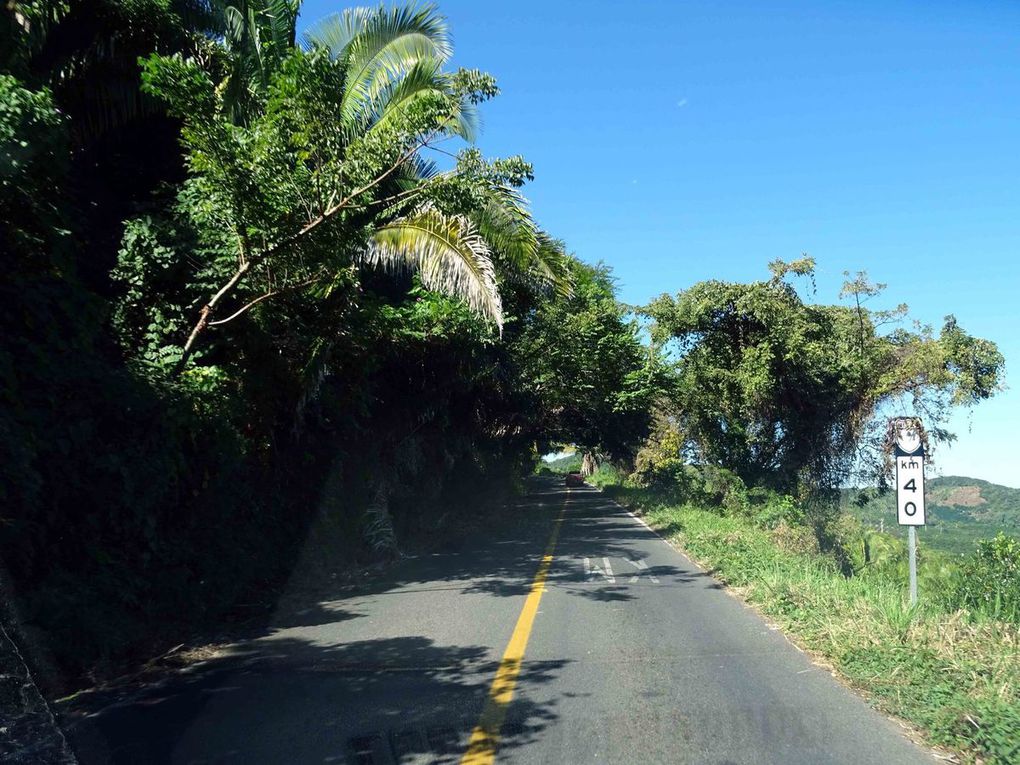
[785, 393]
[249, 281]
[254, 282]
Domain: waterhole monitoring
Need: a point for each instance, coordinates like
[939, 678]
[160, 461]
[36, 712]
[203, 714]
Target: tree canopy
[585, 362]
[786, 392]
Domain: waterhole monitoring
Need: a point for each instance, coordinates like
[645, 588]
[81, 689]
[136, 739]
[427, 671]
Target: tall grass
[605, 475]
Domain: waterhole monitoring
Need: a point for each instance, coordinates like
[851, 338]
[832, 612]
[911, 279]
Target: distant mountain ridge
[960, 510]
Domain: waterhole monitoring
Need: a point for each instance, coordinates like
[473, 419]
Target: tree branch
[208, 309]
[256, 301]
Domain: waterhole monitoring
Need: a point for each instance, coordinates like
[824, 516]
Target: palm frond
[425, 78]
[422, 78]
[337, 31]
[507, 226]
[447, 253]
[235, 26]
[282, 16]
[379, 46]
[521, 250]
[421, 168]
[552, 260]
[257, 34]
[468, 121]
[413, 171]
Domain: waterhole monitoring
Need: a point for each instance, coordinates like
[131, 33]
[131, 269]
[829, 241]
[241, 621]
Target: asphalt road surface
[573, 635]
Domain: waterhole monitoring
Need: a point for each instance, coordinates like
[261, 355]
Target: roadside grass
[953, 675]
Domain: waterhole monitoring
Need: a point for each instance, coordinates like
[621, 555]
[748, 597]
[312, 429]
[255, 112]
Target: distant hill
[565, 463]
[960, 511]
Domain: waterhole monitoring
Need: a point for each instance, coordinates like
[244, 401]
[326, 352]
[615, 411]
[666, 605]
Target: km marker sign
[908, 452]
[910, 489]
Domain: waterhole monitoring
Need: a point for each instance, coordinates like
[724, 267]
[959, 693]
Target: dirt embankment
[962, 496]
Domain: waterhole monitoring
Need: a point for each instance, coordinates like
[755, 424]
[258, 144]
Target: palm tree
[395, 57]
[391, 58]
[257, 34]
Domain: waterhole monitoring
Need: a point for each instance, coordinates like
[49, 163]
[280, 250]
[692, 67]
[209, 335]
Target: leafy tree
[319, 178]
[120, 143]
[87, 52]
[787, 393]
[584, 362]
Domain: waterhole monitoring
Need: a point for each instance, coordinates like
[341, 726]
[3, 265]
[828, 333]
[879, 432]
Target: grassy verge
[955, 677]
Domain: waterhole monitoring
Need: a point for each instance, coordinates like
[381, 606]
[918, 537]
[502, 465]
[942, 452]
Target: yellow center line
[485, 737]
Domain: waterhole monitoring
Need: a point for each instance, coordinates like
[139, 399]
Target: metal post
[912, 540]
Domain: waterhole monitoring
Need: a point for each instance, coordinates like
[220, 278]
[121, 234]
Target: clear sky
[680, 141]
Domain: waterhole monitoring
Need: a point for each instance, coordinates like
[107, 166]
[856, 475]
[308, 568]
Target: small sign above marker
[908, 440]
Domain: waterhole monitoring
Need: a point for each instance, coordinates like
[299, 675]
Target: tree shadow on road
[308, 688]
[370, 702]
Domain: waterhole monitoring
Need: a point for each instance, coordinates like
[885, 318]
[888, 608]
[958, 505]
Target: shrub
[665, 476]
[777, 510]
[723, 488]
[605, 475]
[989, 584]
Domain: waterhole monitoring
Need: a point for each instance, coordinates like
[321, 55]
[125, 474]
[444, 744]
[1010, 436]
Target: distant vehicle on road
[574, 479]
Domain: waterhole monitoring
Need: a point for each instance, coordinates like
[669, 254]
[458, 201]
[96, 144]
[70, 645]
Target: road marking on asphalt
[485, 737]
[640, 565]
[607, 572]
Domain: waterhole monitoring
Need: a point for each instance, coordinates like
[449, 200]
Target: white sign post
[909, 455]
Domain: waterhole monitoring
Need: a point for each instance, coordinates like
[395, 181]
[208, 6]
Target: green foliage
[33, 164]
[122, 146]
[990, 579]
[777, 510]
[605, 475]
[152, 310]
[324, 172]
[86, 52]
[783, 392]
[586, 365]
[661, 467]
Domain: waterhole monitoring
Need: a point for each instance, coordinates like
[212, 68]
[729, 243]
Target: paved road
[633, 656]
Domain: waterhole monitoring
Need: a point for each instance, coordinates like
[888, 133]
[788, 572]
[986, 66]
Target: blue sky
[680, 141]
